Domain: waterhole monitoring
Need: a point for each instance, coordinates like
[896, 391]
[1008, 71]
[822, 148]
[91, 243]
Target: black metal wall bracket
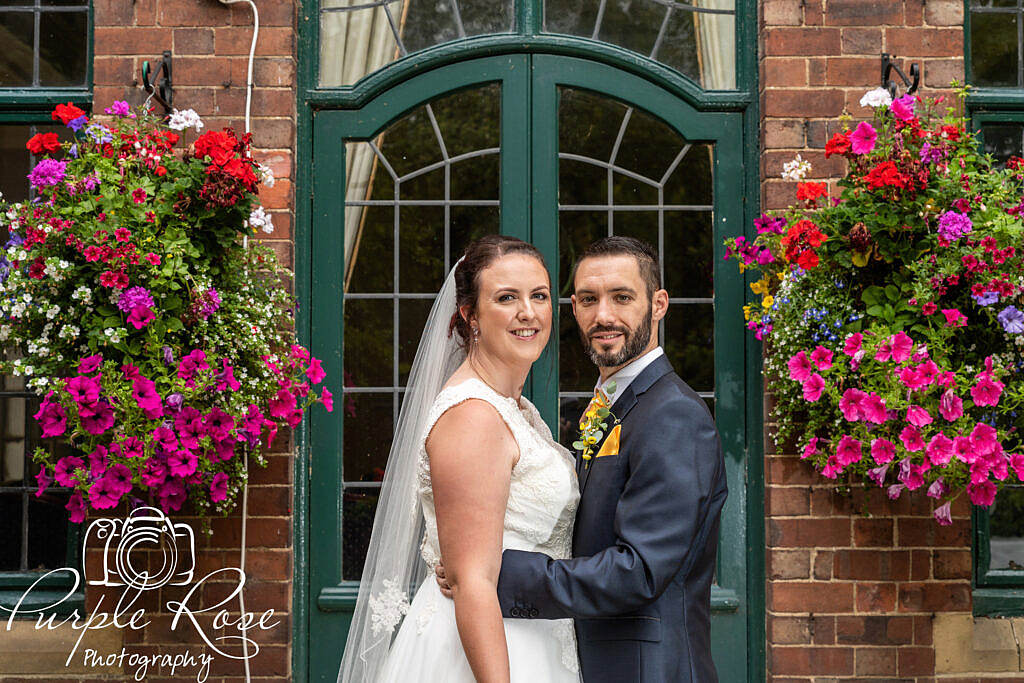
[162, 91]
[911, 83]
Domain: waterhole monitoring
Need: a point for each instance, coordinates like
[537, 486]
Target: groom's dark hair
[616, 245]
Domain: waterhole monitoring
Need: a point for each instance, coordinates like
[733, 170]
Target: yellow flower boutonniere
[593, 423]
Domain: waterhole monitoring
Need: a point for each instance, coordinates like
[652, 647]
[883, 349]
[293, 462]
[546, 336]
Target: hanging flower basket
[162, 343]
[892, 313]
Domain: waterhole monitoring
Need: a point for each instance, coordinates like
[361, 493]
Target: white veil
[394, 568]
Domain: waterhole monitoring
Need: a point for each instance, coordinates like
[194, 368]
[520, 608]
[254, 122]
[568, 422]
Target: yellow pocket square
[611, 443]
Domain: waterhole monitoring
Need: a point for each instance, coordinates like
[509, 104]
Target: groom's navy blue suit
[644, 546]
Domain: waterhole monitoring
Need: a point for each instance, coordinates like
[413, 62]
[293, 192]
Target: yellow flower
[759, 287]
[767, 301]
[746, 312]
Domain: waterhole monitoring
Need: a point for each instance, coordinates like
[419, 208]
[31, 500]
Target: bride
[473, 471]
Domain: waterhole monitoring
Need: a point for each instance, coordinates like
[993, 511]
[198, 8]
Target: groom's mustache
[602, 329]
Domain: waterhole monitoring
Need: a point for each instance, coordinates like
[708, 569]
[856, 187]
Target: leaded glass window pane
[1003, 140]
[997, 43]
[45, 44]
[622, 171]
[1006, 530]
[357, 37]
[416, 195]
[696, 38]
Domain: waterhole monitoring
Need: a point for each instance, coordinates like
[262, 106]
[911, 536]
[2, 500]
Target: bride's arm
[471, 455]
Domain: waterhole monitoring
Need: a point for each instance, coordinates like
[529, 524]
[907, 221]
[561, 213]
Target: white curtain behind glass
[352, 45]
[716, 45]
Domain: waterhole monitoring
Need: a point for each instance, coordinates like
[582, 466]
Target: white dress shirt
[625, 376]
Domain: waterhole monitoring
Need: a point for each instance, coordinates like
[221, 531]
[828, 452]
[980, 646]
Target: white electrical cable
[245, 242]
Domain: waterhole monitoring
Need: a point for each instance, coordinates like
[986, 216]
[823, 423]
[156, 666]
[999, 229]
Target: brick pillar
[854, 583]
[210, 45]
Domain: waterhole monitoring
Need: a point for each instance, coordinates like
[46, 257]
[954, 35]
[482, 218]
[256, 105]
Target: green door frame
[745, 527]
[529, 210]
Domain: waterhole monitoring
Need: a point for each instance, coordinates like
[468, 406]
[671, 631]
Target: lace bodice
[543, 492]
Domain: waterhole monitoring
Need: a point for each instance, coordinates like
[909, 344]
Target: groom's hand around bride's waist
[442, 581]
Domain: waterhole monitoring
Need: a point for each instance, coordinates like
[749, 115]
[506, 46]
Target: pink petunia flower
[52, 419]
[144, 393]
[987, 391]
[96, 419]
[918, 416]
[863, 138]
[832, 468]
[954, 318]
[327, 399]
[982, 494]
[850, 404]
[884, 352]
[182, 463]
[812, 387]
[853, 343]
[43, 481]
[877, 474]
[912, 378]
[911, 475]
[284, 402]
[810, 449]
[963, 449]
[894, 491]
[89, 364]
[848, 451]
[799, 367]
[940, 449]
[65, 468]
[140, 317]
[104, 493]
[172, 495]
[951, 406]
[120, 476]
[821, 357]
[903, 107]
[911, 439]
[314, 372]
[219, 487]
[902, 345]
[984, 439]
[76, 508]
[873, 409]
[882, 451]
[84, 390]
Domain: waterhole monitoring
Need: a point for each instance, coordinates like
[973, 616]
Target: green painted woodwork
[530, 66]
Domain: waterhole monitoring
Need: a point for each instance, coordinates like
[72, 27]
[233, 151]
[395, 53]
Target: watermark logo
[143, 552]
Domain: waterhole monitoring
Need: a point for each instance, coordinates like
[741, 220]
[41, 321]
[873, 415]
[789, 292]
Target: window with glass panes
[44, 61]
[995, 69]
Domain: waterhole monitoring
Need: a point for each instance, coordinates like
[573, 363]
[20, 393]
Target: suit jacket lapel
[621, 407]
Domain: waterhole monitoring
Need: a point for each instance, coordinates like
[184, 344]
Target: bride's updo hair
[479, 255]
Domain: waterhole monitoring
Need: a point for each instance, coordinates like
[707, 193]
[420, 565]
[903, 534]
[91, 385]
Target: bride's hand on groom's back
[442, 581]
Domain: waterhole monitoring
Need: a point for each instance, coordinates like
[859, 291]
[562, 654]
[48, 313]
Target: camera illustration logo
[145, 550]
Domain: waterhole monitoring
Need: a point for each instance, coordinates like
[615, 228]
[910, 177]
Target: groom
[646, 533]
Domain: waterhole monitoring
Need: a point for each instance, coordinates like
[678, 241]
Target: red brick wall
[851, 596]
[210, 45]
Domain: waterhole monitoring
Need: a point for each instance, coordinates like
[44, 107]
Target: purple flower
[942, 514]
[1011, 319]
[47, 172]
[73, 152]
[953, 225]
[76, 124]
[168, 355]
[931, 155]
[118, 108]
[99, 133]
[768, 223]
[937, 489]
[172, 494]
[986, 299]
[174, 402]
[136, 296]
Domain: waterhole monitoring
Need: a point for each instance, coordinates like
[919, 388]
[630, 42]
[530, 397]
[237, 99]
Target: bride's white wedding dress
[542, 501]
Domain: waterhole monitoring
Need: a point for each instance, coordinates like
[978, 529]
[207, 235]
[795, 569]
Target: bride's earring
[476, 334]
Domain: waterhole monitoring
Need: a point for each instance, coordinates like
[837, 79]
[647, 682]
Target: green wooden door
[557, 150]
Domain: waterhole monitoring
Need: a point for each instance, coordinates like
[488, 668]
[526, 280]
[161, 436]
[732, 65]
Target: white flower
[796, 170]
[879, 97]
[187, 118]
[260, 219]
[5, 332]
[266, 175]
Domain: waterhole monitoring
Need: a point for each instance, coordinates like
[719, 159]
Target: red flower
[66, 112]
[43, 143]
[800, 241]
[885, 174]
[839, 144]
[138, 195]
[160, 171]
[218, 145]
[810, 191]
[951, 132]
[807, 259]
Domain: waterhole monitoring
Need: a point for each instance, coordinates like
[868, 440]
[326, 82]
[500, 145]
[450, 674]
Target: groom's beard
[633, 346]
